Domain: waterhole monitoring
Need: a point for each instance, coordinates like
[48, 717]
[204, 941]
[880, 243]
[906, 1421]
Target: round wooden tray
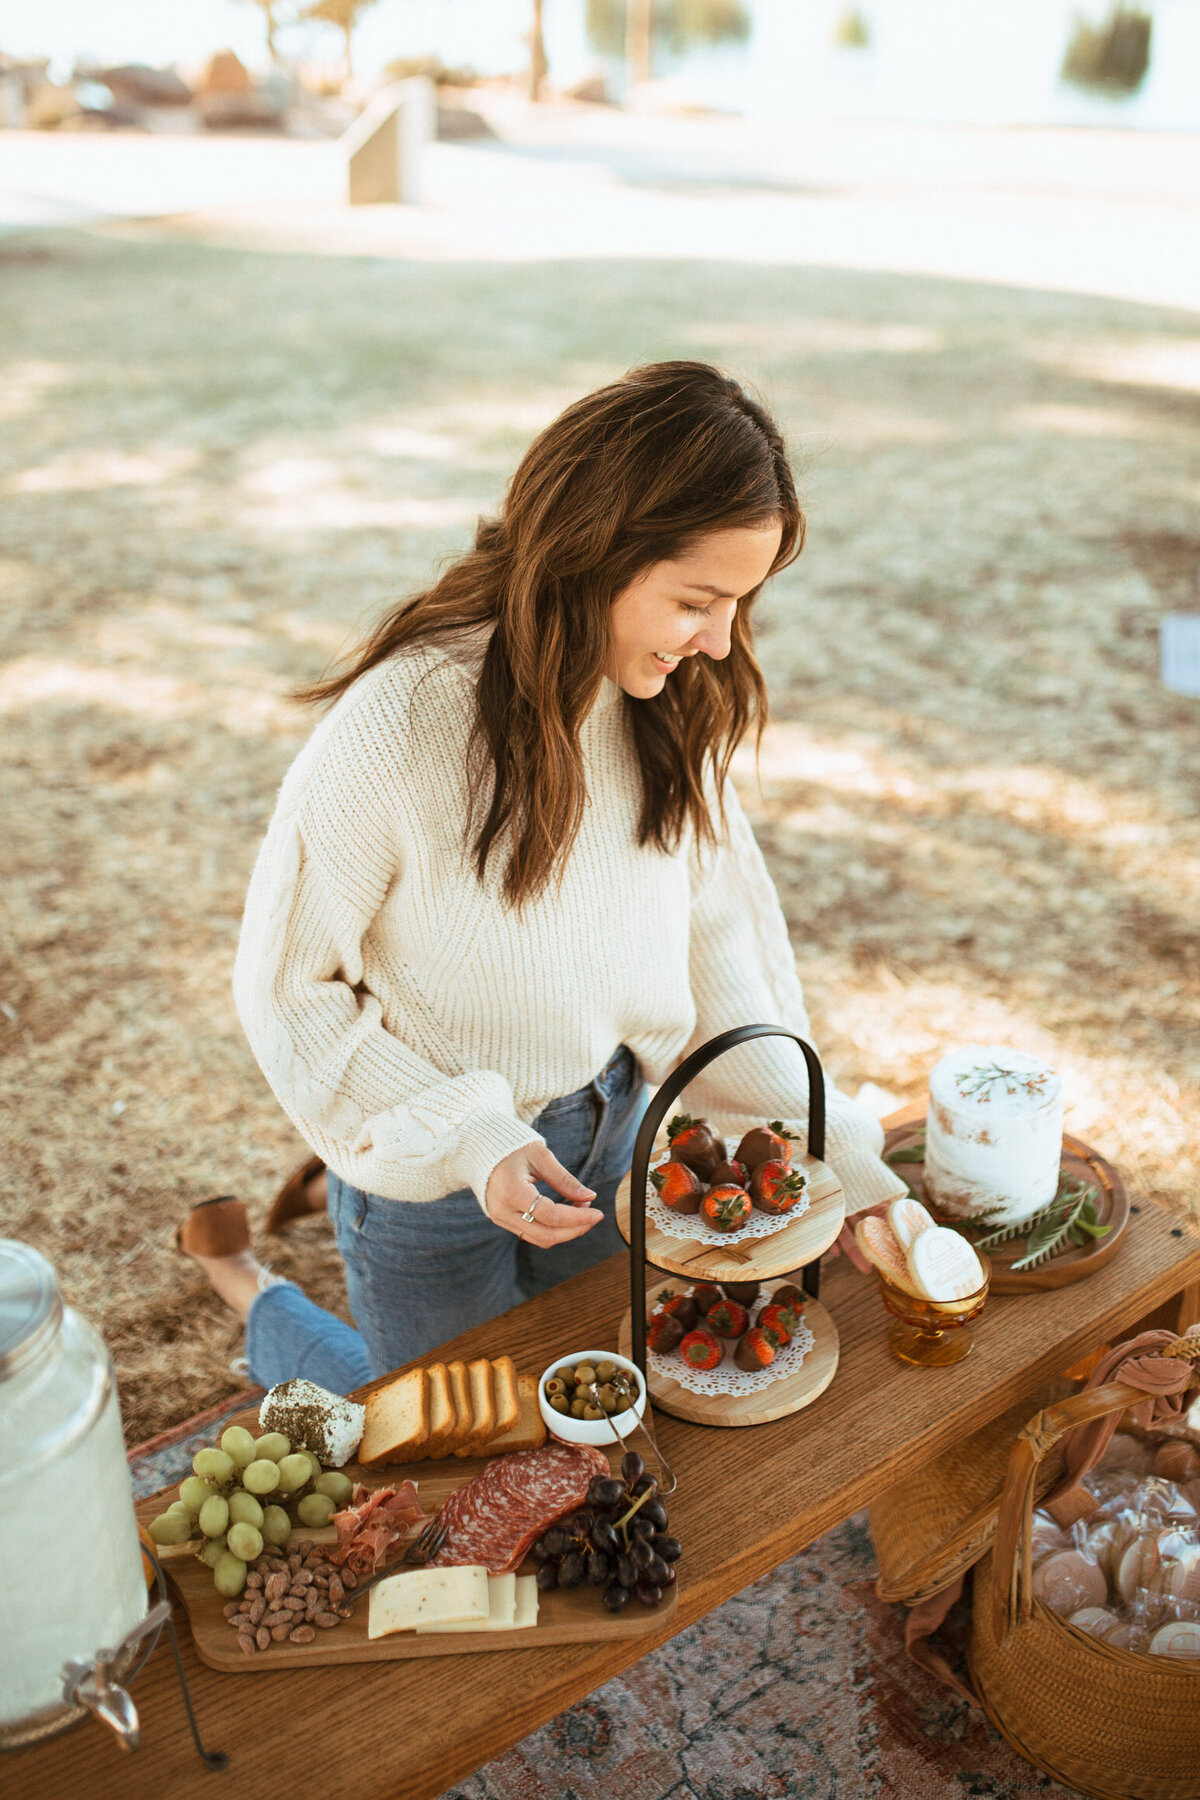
[788, 1395]
[1079, 1163]
[751, 1259]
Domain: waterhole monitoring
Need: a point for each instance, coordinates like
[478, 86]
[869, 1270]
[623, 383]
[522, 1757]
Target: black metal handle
[657, 1111]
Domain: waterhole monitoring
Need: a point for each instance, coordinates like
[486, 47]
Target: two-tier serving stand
[795, 1250]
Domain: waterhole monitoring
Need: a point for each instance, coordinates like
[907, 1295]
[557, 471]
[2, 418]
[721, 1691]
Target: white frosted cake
[993, 1138]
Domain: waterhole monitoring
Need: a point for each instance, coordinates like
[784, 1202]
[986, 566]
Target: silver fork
[422, 1550]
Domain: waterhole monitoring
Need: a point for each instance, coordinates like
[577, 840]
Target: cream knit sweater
[411, 1024]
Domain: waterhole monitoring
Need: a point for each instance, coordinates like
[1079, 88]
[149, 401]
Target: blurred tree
[852, 30]
[638, 30]
[537, 51]
[270, 9]
[630, 27]
[345, 14]
[1112, 57]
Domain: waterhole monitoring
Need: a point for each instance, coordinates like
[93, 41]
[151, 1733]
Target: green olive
[622, 1403]
[609, 1398]
[578, 1408]
[560, 1403]
[585, 1374]
[555, 1386]
[592, 1412]
[605, 1371]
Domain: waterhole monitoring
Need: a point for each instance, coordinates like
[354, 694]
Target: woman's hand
[510, 1192]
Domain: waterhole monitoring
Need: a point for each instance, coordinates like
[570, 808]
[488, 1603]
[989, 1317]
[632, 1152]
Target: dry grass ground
[980, 806]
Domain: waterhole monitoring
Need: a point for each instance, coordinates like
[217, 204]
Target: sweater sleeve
[382, 1101]
[743, 972]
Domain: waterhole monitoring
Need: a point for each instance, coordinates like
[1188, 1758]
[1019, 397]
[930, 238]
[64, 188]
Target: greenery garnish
[906, 1153]
[1069, 1221]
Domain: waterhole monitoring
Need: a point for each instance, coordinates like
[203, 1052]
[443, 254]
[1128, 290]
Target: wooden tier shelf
[791, 1394]
[749, 1259]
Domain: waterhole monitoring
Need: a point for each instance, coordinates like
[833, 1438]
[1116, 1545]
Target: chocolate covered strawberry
[744, 1292]
[733, 1174]
[679, 1306]
[726, 1208]
[727, 1319]
[756, 1350]
[701, 1350]
[789, 1295]
[776, 1188]
[766, 1143]
[705, 1294]
[694, 1142]
[663, 1332]
[677, 1186]
[783, 1320]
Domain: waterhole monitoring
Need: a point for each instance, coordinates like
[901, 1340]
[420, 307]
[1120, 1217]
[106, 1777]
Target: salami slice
[494, 1518]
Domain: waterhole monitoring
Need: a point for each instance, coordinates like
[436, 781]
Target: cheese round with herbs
[993, 1140]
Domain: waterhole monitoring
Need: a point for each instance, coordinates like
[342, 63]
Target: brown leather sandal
[292, 1201]
[219, 1227]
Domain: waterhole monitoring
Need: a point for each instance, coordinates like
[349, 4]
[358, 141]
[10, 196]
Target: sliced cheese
[514, 1607]
[418, 1597]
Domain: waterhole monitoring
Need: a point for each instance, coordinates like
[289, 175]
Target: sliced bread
[396, 1427]
[529, 1430]
[443, 1415]
[483, 1407]
[460, 1393]
[504, 1391]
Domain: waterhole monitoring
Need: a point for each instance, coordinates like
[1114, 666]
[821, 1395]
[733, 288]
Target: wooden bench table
[407, 1730]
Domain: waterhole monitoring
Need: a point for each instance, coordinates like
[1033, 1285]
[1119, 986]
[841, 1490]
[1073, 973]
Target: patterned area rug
[797, 1689]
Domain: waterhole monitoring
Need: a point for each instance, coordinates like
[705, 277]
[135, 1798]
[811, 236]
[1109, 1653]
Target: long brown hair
[626, 477]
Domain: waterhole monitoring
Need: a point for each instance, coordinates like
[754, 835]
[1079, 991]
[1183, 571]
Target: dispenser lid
[30, 1305]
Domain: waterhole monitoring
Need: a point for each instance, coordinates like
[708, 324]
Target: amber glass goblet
[932, 1332]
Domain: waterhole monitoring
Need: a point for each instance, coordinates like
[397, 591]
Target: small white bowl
[592, 1431]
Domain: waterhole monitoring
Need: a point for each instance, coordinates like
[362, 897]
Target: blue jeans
[418, 1274]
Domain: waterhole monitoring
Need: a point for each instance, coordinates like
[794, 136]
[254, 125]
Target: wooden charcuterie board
[573, 1617]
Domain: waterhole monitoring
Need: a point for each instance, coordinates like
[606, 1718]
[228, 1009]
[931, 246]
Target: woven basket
[932, 1527]
[1115, 1725]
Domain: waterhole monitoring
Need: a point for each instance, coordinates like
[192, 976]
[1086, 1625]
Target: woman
[508, 880]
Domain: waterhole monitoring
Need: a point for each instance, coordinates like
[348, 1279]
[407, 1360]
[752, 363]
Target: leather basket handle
[654, 1115]
[1012, 1588]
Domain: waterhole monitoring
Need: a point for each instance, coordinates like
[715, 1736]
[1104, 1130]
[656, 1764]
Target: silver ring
[533, 1206]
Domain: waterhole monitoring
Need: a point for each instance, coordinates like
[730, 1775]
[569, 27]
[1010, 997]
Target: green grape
[314, 1463]
[294, 1472]
[214, 1516]
[230, 1575]
[339, 1487]
[274, 1445]
[171, 1528]
[261, 1476]
[315, 1509]
[214, 1549]
[213, 1465]
[276, 1526]
[180, 1506]
[194, 1492]
[244, 1509]
[238, 1445]
[245, 1541]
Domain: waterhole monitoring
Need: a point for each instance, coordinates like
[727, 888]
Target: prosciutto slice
[372, 1523]
[494, 1518]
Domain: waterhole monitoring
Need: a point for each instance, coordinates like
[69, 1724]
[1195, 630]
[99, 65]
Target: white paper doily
[690, 1226]
[727, 1378]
